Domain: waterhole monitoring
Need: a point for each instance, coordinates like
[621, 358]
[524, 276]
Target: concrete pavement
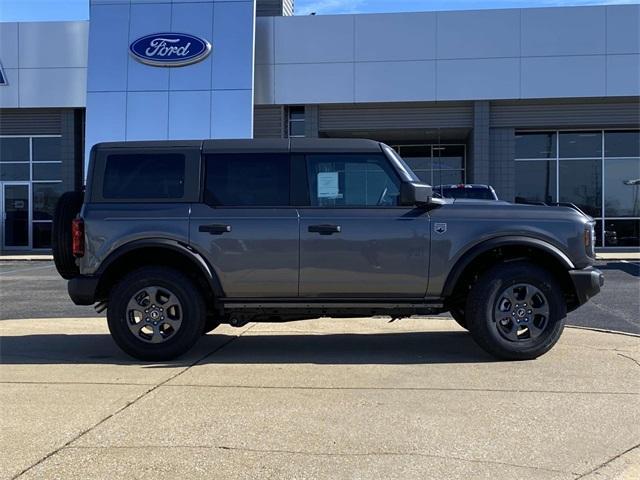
[355, 398]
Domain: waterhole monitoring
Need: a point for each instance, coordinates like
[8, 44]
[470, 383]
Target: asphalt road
[34, 290]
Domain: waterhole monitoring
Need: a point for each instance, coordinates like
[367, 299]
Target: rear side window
[247, 180]
[144, 176]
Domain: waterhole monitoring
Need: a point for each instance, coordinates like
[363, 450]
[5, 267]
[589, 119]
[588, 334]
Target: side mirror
[415, 193]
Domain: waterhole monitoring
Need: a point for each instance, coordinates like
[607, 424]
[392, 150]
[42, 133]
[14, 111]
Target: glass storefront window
[622, 144]
[581, 184]
[42, 234]
[14, 149]
[622, 233]
[622, 187]
[47, 149]
[448, 177]
[580, 144]
[536, 145]
[535, 181]
[45, 196]
[14, 171]
[47, 171]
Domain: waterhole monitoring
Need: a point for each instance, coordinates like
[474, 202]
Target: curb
[26, 258]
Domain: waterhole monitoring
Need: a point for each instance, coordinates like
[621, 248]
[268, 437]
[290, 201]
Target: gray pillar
[68, 149]
[479, 154]
[502, 145]
[311, 122]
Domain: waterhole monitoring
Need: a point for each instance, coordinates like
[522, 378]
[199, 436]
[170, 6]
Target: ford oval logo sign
[170, 49]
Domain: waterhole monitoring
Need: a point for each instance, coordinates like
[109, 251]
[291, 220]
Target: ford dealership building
[543, 103]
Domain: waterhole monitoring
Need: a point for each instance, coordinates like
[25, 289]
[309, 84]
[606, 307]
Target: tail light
[77, 237]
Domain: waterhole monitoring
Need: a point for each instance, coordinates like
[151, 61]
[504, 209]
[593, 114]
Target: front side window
[144, 176]
[247, 180]
[361, 180]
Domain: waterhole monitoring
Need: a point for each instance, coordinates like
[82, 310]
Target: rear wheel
[516, 311]
[67, 208]
[156, 313]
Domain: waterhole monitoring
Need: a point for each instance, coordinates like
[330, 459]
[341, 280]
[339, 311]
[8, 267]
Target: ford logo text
[169, 49]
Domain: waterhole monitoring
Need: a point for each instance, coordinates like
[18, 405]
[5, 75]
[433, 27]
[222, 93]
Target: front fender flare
[473, 252]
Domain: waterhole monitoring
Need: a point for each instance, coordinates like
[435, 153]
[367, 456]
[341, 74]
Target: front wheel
[516, 311]
[156, 313]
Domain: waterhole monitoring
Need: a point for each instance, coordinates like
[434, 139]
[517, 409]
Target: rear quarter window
[144, 176]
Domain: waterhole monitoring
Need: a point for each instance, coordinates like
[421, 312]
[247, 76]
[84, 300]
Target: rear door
[355, 238]
[245, 225]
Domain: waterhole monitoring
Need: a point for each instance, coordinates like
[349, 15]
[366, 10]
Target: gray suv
[175, 238]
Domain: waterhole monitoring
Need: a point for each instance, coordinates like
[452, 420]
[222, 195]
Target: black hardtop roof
[255, 145]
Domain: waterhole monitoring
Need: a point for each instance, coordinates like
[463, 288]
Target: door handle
[216, 229]
[325, 229]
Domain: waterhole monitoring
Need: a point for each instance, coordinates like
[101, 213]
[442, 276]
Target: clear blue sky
[39, 10]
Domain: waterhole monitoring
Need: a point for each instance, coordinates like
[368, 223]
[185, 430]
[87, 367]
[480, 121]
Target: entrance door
[15, 216]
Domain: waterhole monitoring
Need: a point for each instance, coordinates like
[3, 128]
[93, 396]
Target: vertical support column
[311, 122]
[502, 146]
[479, 158]
[68, 149]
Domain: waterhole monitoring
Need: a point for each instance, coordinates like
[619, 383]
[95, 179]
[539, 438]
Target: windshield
[475, 193]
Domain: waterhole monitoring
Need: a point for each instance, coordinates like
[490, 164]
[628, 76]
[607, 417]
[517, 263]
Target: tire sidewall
[483, 324]
[193, 313]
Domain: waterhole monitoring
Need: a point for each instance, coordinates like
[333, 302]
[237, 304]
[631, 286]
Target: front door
[246, 227]
[15, 216]
[355, 239]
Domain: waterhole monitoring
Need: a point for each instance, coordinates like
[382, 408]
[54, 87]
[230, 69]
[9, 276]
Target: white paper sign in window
[328, 185]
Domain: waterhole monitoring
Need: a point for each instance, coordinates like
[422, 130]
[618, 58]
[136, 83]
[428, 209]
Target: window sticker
[328, 185]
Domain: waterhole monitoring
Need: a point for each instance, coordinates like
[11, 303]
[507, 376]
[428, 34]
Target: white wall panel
[265, 27]
[46, 44]
[314, 39]
[554, 77]
[479, 34]
[189, 115]
[265, 84]
[233, 45]
[147, 115]
[196, 19]
[481, 79]
[229, 110]
[106, 117]
[9, 94]
[623, 75]
[9, 44]
[395, 37]
[623, 29]
[55, 86]
[395, 81]
[109, 37]
[146, 19]
[314, 83]
[563, 31]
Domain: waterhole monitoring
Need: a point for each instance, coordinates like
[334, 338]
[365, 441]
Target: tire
[176, 305]
[67, 208]
[459, 317]
[495, 307]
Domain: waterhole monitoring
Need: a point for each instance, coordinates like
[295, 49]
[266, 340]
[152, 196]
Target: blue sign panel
[170, 49]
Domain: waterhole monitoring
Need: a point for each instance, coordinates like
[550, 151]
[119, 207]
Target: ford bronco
[174, 238]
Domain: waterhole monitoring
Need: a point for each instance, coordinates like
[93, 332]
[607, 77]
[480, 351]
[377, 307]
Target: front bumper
[587, 283]
[82, 290]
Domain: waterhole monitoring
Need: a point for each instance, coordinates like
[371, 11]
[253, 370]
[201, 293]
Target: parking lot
[353, 398]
